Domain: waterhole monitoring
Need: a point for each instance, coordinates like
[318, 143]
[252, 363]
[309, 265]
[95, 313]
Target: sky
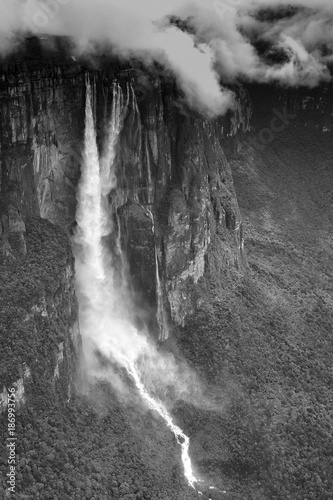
[206, 44]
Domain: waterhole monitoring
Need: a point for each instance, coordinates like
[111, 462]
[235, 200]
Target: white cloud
[220, 43]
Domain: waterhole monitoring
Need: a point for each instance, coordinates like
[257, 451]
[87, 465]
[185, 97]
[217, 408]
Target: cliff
[40, 124]
[175, 193]
[192, 196]
[174, 202]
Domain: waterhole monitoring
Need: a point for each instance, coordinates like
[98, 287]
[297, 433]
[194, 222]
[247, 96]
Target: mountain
[226, 228]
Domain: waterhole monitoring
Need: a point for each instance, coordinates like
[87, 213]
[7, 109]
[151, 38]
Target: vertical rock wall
[174, 199]
[173, 170]
[41, 126]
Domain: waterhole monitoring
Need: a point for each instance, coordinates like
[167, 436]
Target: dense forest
[268, 332]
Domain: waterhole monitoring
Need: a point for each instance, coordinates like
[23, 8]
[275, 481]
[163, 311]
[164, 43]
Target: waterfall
[107, 173]
[161, 316]
[150, 189]
[103, 303]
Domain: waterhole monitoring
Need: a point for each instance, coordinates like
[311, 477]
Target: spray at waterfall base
[104, 303]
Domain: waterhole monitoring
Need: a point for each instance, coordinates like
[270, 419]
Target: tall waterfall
[103, 303]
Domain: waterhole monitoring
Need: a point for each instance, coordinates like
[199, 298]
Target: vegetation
[83, 447]
[83, 450]
[265, 338]
[34, 301]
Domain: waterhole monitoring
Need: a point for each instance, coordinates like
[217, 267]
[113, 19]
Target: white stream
[104, 320]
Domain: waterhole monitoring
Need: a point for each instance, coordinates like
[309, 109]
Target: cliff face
[175, 202]
[40, 129]
[175, 193]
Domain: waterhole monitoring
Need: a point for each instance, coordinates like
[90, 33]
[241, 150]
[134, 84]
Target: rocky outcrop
[19, 391]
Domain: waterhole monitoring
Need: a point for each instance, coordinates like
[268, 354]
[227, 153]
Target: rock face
[175, 193]
[41, 127]
[175, 203]
[41, 113]
[175, 197]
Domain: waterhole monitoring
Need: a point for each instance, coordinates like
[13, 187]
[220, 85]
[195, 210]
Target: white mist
[104, 306]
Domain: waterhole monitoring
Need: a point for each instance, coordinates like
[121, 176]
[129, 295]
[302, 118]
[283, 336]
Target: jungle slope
[266, 335]
[74, 441]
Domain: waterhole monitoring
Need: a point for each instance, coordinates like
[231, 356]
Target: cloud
[203, 43]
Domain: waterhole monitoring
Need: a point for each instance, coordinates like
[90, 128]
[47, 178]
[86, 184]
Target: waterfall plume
[105, 322]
